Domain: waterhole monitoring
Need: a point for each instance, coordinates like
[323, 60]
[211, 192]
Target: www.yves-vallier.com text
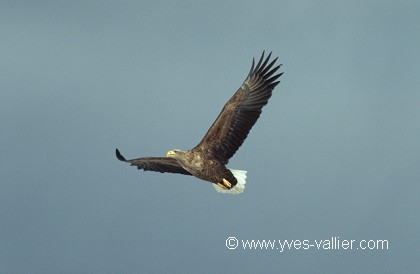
[333, 243]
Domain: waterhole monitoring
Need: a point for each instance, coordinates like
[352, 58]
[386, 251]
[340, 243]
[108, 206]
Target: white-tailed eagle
[208, 160]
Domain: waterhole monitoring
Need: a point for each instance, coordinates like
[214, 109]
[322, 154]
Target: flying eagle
[208, 160]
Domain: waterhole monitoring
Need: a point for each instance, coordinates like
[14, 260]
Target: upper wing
[241, 112]
[160, 164]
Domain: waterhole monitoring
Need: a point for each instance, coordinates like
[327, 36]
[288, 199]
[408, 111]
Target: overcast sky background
[336, 151]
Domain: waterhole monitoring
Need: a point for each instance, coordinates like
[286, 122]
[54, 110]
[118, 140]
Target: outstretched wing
[241, 112]
[159, 164]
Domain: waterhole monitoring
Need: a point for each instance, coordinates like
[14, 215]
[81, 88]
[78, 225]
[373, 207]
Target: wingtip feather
[119, 156]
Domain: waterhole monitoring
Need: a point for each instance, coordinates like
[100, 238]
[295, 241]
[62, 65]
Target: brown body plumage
[209, 158]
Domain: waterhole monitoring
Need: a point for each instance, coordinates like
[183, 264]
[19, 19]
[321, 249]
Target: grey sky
[335, 152]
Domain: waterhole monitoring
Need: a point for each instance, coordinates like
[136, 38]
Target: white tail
[240, 176]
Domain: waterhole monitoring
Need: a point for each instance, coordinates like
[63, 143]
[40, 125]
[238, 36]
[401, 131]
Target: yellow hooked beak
[170, 153]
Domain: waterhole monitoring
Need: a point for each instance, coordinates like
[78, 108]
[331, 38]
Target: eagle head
[174, 153]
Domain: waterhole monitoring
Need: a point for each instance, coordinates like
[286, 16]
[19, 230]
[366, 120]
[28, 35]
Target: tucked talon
[222, 186]
[227, 183]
